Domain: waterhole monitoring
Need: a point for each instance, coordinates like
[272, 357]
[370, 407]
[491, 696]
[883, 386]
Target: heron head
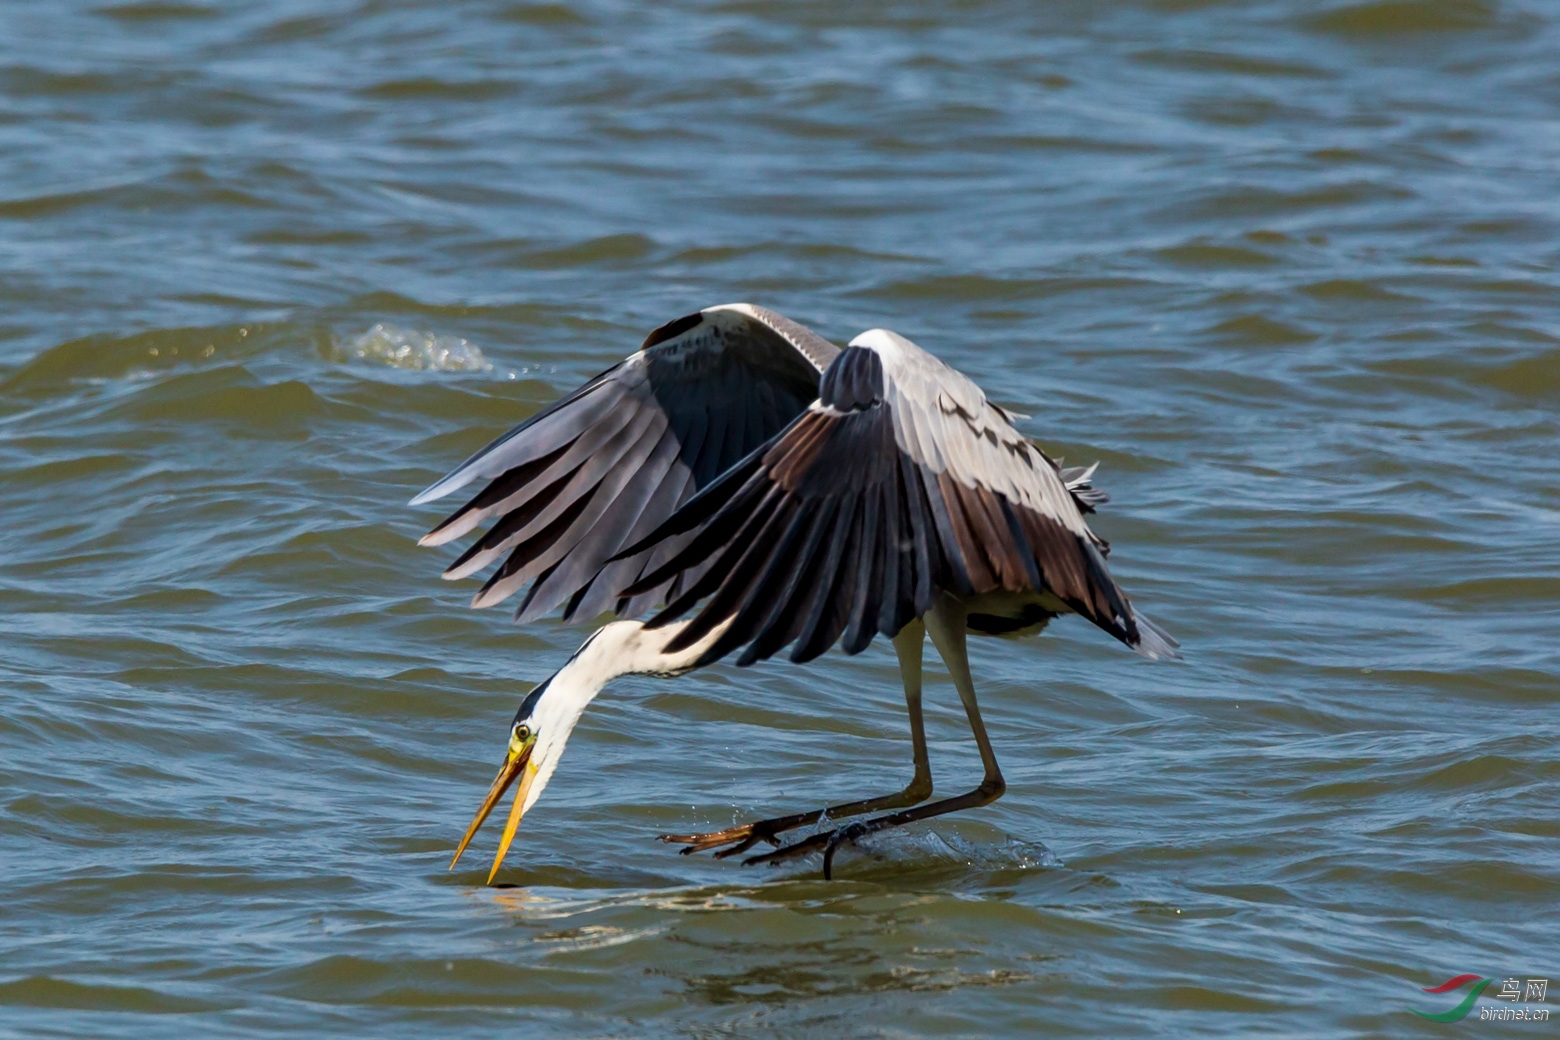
[536, 738]
[550, 712]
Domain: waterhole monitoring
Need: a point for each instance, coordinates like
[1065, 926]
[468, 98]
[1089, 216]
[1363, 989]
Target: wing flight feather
[569, 488]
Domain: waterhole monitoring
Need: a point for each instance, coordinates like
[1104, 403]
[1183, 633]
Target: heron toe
[792, 851]
[740, 838]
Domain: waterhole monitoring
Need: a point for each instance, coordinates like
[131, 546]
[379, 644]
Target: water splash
[415, 350]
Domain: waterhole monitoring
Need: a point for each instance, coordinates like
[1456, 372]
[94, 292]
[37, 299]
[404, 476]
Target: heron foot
[743, 837]
[740, 838]
[828, 841]
[794, 850]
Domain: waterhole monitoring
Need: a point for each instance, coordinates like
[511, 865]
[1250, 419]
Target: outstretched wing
[570, 487]
[901, 481]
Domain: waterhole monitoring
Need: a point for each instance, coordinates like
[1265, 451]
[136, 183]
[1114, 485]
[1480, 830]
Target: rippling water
[1287, 269]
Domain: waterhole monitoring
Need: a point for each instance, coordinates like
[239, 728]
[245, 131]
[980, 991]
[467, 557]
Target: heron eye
[522, 732]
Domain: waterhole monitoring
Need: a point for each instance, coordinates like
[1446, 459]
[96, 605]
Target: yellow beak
[517, 763]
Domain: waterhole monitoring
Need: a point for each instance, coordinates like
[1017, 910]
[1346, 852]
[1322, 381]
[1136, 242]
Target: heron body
[775, 491]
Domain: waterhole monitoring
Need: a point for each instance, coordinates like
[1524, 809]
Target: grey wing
[570, 487]
[898, 483]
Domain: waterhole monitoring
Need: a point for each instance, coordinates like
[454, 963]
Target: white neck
[614, 650]
[629, 648]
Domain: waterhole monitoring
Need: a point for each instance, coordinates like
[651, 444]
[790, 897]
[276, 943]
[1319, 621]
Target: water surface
[1288, 270]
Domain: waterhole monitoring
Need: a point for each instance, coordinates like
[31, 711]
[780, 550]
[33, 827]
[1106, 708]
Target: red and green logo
[1461, 1010]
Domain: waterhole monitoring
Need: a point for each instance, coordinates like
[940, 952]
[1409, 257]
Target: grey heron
[806, 496]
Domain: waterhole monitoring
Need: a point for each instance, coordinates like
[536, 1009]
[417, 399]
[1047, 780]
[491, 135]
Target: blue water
[1287, 270]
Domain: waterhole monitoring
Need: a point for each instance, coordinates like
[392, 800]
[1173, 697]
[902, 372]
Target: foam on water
[416, 350]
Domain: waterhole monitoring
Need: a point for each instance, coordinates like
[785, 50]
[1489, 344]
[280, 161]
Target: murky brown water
[1287, 269]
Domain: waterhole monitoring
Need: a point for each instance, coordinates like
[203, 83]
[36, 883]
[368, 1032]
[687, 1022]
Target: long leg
[945, 624]
[908, 645]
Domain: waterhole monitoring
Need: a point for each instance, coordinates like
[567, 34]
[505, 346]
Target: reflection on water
[1285, 269]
